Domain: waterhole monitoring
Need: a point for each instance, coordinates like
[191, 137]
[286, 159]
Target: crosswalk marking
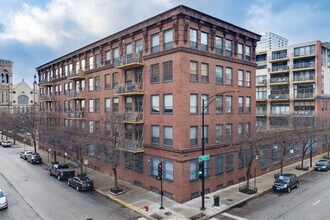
[233, 216]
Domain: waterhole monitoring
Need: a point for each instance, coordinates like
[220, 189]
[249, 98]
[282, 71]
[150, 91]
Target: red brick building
[155, 75]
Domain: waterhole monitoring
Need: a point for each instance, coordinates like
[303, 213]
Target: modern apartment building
[155, 74]
[292, 80]
[6, 80]
[270, 40]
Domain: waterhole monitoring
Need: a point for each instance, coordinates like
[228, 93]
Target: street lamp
[65, 154]
[49, 150]
[209, 100]
[24, 143]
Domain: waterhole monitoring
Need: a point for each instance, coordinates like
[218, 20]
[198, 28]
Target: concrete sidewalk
[136, 198]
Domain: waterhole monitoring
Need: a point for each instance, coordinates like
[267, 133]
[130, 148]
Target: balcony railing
[46, 98]
[304, 95]
[129, 88]
[76, 94]
[278, 56]
[76, 114]
[279, 80]
[307, 112]
[130, 145]
[46, 82]
[261, 112]
[303, 65]
[280, 68]
[279, 96]
[262, 81]
[261, 97]
[273, 112]
[129, 61]
[130, 117]
[76, 75]
[304, 53]
[303, 78]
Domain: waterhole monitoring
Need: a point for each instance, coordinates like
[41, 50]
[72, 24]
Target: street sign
[204, 157]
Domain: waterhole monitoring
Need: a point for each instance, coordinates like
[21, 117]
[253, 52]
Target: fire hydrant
[146, 208]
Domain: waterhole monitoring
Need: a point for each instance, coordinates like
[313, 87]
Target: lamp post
[204, 107]
[65, 154]
[24, 143]
[49, 150]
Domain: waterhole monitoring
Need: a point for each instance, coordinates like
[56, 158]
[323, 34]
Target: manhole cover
[167, 213]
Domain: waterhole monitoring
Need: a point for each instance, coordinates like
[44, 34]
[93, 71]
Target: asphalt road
[33, 194]
[310, 201]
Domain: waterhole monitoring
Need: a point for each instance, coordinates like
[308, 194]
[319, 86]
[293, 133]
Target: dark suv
[322, 165]
[286, 182]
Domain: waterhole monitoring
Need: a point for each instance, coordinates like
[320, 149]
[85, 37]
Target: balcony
[262, 82]
[76, 75]
[274, 112]
[279, 96]
[278, 58]
[304, 66]
[261, 112]
[130, 146]
[304, 95]
[261, 97]
[303, 79]
[76, 95]
[130, 117]
[304, 54]
[46, 98]
[129, 62]
[304, 113]
[279, 69]
[130, 89]
[279, 80]
[76, 115]
[46, 82]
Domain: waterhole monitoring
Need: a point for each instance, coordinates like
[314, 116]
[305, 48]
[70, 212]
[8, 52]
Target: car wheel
[77, 188]
[297, 184]
[59, 178]
[69, 183]
[289, 189]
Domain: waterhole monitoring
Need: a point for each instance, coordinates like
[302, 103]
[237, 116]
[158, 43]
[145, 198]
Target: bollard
[216, 199]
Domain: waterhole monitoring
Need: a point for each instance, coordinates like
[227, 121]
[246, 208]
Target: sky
[34, 32]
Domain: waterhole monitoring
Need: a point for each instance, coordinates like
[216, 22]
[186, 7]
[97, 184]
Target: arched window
[23, 100]
[6, 78]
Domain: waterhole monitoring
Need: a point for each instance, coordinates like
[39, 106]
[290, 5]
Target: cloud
[61, 22]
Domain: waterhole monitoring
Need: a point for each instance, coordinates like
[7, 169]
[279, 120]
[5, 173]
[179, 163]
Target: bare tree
[30, 125]
[15, 127]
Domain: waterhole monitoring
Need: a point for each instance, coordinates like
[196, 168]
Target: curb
[127, 205]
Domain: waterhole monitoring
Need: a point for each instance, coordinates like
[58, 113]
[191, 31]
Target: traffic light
[201, 170]
[160, 170]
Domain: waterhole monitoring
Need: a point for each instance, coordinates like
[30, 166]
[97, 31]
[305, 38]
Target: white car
[6, 143]
[3, 200]
[24, 154]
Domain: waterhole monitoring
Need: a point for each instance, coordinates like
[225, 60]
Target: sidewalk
[136, 198]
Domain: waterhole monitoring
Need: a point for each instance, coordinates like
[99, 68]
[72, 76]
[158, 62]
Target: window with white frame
[90, 105]
[240, 78]
[240, 130]
[248, 104]
[229, 76]
[154, 134]
[204, 73]
[205, 100]
[97, 105]
[168, 135]
[168, 170]
[107, 57]
[193, 170]
[248, 78]
[115, 104]
[155, 43]
[229, 52]
[204, 41]
[247, 53]
[218, 45]
[219, 75]
[167, 71]
[193, 103]
[155, 104]
[219, 104]
[240, 51]
[229, 132]
[193, 136]
[168, 39]
[218, 133]
[248, 129]
[229, 104]
[97, 61]
[91, 62]
[91, 126]
[168, 103]
[193, 71]
[90, 84]
[115, 54]
[229, 163]
[240, 104]
[193, 38]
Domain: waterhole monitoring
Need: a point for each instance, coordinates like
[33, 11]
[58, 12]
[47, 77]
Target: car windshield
[1, 194]
[321, 162]
[284, 179]
[85, 179]
[63, 167]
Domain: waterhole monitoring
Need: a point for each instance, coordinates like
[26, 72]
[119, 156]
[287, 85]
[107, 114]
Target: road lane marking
[233, 216]
[317, 202]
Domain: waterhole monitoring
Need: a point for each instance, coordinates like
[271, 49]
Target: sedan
[322, 165]
[81, 182]
[34, 158]
[24, 154]
[6, 143]
[3, 200]
[286, 182]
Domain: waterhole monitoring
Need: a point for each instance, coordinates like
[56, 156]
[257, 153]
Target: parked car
[81, 182]
[61, 171]
[6, 143]
[322, 165]
[286, 182]
[3, 200]
[24, 154]
[34, 158]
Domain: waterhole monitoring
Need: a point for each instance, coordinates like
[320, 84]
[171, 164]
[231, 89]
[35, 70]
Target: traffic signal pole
[160, 178]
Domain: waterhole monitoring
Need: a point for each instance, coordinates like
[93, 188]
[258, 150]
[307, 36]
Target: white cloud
[62, 22]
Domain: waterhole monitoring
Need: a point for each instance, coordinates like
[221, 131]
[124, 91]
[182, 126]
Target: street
[309, 201]
[33, 194]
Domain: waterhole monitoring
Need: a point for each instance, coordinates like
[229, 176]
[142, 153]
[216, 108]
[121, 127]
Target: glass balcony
[304, 95]
[130, 88]
[261, 112]
[275, 112]
[130, 145]
[305, 113]
[279, 96]
[130, 61]
[279, 80]
[280, 68]
[303, 65]
[301, 78]
[80, 74]
[76, 115]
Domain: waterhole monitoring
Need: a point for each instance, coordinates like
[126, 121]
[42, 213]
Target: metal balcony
[279, 80]
[304, 95]
[129, 61]
[130, 117]
[307, 65]
[76, 115]
[76, 75]
[46, 98]
[76, 95]
[279, 96]
[130, 146]
[46, 82]
[130, 89]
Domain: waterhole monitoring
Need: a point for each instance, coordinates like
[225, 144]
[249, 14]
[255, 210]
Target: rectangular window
[90, 105]
[240, 78]
[248, 104]
[167, 71]
[154, 73]
[204, 41]
[155, 134]
[240, 130]
[97, 105]
[168, 170]
[204, 99]
[219, 164]
[248, 78]
[205, 73]
[193, 103]
[193, 38]
[218, 45]
[193, 136]
[91, 63]
[229, 163]
[229, 76]
[193, 170]
[193, 71]
[107, 104]
[97, 83]
[229, 132]
[240, 104]
[168, 135]
[168, 39]
[229, 52]
[90, 84]
[115, 55]
[247, 53]
[107, 57]
[138, 46]
[240, 51]
[219, 75]
[218, 133]
[229, 104]
[115, 104]
[97, 60]
[168, 104]
[155, 104]
[129, 52]
[219, 104]
[248, 129]
[128, 104]
[155, 43]
[83, 65]
[91, 126]
[107, 84]
[115, 80]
